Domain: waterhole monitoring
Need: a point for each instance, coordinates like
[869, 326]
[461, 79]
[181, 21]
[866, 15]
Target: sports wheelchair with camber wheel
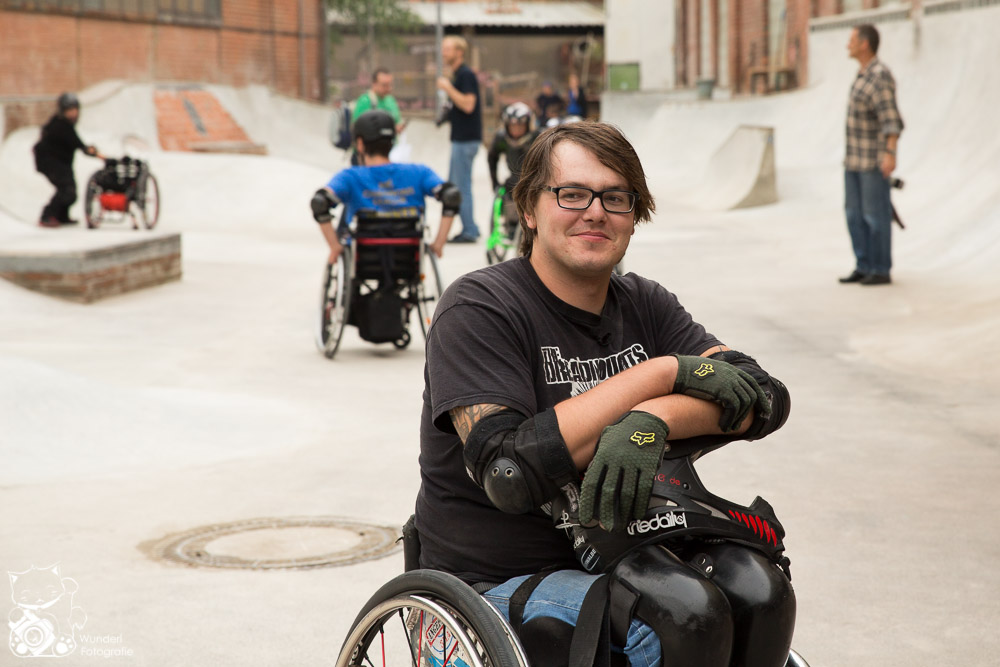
[385, 273]
[426, 618]
[122, 188]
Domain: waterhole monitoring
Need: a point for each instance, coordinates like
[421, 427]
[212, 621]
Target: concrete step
[84, 266]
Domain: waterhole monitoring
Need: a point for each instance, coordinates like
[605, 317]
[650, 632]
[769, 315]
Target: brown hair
[869, 33]
[609, 146]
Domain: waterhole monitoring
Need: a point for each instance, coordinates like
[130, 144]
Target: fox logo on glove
[703, 370]
[640, 438]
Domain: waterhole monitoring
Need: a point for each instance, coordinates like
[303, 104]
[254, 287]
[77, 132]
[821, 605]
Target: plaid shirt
[871, 116]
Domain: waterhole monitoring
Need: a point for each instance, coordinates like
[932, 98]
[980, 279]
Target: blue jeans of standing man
[460, 173]
[869, 220]
[560, 596]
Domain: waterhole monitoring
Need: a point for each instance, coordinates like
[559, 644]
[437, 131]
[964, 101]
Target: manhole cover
[285, 543]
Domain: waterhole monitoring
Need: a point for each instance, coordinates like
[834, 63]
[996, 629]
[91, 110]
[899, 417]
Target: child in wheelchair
[376, 251]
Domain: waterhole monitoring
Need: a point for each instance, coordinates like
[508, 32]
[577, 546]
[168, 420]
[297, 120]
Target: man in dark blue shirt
[466, 118]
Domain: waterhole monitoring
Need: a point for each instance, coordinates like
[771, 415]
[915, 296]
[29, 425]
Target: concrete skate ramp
[741, 172]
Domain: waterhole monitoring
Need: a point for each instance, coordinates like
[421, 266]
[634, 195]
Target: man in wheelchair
[553, 390]
[380, 185]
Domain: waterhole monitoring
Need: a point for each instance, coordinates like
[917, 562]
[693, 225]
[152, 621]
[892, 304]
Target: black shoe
[855, 277]
[68, 221]
[462, 238]
[876, 279]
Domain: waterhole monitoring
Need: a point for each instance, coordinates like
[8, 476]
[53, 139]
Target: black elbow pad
[450, 197]
[520, 463]
[777, 393]
[322, 203]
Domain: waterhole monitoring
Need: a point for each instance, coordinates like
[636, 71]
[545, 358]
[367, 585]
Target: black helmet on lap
[680, 509]
[68, 101]
[374, 125]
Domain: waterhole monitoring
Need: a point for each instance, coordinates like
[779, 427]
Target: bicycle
[505, 229]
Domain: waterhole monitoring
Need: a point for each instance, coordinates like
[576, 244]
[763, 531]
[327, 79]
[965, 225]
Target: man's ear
[529, 220]
[360, 145]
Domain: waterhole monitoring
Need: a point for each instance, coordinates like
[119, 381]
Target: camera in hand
[896, 183]
[442, 116]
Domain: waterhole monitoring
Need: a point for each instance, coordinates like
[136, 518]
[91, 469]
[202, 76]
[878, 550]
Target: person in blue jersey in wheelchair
[381, 185]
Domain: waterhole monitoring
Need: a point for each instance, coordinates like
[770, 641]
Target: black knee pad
[689, 614]
[762, 601]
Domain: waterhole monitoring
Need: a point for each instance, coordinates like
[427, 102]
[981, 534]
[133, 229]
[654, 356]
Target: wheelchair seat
[387, 246]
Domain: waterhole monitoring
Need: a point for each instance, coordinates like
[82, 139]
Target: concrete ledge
[86, 266]
[243, 147]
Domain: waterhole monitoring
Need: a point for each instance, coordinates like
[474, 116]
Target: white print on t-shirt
[586, 373]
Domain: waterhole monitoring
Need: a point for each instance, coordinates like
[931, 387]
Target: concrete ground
[205, 401]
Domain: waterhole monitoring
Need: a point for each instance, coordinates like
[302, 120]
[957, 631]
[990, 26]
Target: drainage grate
[293, 543]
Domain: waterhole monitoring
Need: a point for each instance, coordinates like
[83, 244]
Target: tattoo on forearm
[466, 416]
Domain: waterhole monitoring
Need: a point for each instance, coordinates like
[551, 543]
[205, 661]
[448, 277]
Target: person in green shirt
[379, 96]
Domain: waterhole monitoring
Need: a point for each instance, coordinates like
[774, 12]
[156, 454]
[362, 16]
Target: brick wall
[749, 48]
[256, 41]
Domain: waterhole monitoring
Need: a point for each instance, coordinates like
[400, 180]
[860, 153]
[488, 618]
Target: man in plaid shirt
[873, 128]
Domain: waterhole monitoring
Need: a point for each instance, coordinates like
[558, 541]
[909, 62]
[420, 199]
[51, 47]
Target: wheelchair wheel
[148, 200]
[425, 618]
[335, 299]
[795, 660]
[429, 290]
[92, 210]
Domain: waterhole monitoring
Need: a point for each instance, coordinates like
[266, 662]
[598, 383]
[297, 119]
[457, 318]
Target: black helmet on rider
[377, 129]
[517, 115]
[374, 125]
[67, 101]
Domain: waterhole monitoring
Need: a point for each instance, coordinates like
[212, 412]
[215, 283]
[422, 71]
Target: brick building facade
[744, 46]
[48, 46]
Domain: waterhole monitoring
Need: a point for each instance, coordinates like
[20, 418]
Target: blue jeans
[869, 220]
[560, 596]
[460, 173]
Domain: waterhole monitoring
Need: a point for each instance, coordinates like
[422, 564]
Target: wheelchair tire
[795, 660]
[92, 210]
[149, 201]
[335, 300]
[429, 290]
[451, 610]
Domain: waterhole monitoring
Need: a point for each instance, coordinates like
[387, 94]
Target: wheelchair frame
[131, 177]
[388, 237]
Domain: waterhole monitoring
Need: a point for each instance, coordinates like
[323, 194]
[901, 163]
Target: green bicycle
[505, 229]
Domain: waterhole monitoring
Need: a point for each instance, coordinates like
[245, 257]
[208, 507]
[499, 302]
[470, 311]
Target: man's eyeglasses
[576, 198]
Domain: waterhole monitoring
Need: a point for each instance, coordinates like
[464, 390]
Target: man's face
[583, 243]
[450, 54]
[516, 130]
[382, 85]
[855, 45]
[72, 114]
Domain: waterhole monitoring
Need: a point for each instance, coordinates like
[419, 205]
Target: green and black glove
[621, 475]
[715, 380]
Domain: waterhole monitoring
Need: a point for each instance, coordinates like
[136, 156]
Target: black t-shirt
[58, 143]
[466, 126]
[500, 336]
